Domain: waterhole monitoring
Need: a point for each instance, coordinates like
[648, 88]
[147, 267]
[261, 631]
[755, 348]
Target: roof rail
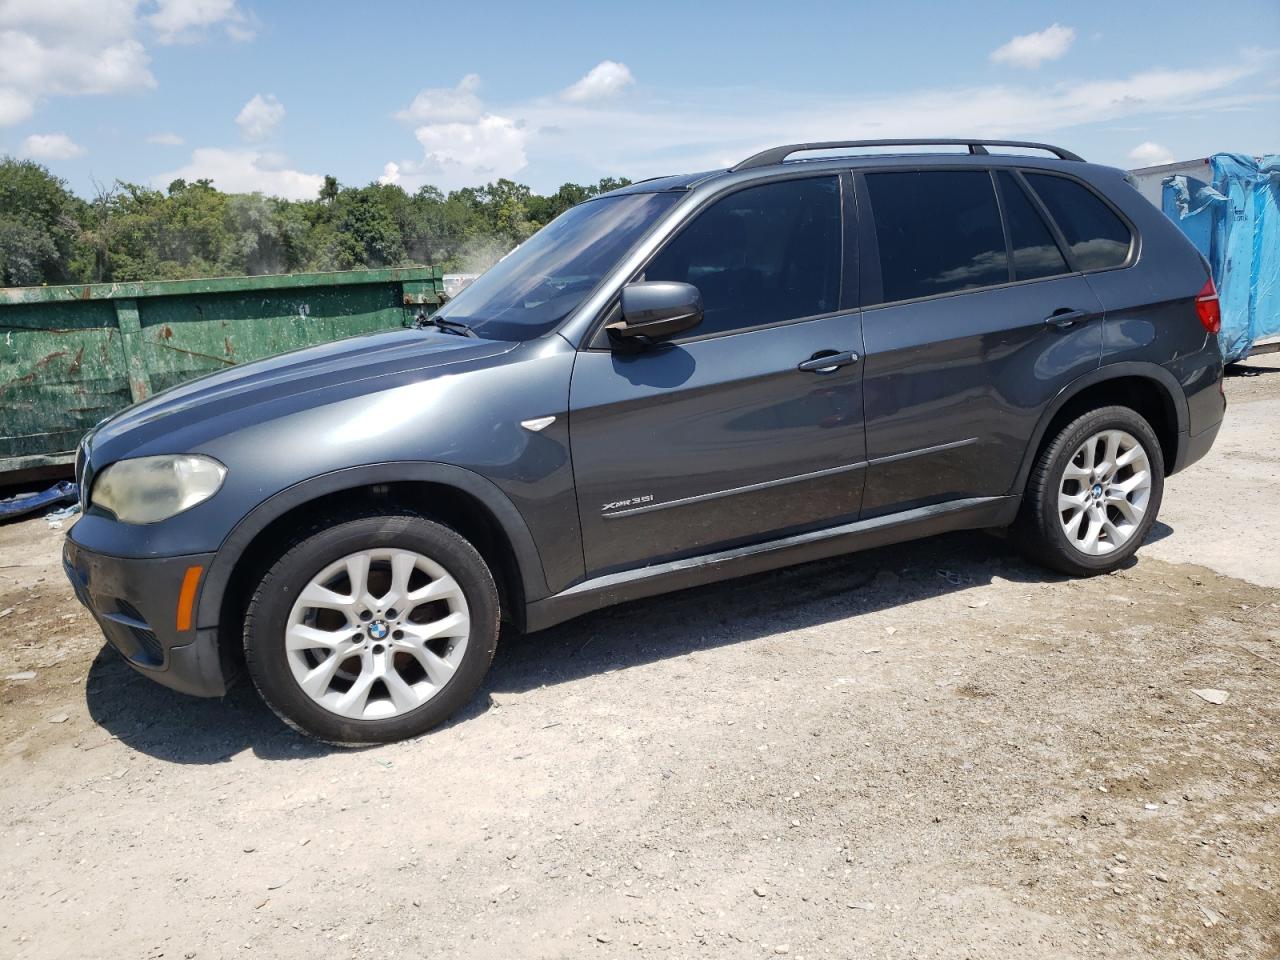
[774, 155]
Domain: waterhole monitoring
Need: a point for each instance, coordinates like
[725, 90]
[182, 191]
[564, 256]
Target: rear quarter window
[938, 231]
[1096, 237]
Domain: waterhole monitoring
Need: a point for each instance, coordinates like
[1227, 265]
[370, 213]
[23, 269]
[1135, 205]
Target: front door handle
[1064, 318]
[827, 361]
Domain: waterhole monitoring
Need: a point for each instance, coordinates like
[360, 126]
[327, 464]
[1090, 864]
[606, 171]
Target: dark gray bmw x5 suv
[685, 380]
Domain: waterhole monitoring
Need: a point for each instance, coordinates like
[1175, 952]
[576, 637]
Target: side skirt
[969, 514]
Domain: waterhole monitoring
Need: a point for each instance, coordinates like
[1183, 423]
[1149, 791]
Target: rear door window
[1035, 252]
[938, 232]
[1097, 238]
[761, 255]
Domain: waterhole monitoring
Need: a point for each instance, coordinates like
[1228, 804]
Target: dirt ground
[932, 750]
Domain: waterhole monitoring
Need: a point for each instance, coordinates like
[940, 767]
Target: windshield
[544, 279]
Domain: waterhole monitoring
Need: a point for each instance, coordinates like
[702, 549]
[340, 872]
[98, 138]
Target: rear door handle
[826, 361]
[1064, 318]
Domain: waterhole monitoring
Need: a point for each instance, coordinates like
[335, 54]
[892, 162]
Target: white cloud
[51, 146]
[1032, 49]
[446, 104]
[606, 79]
[390, 174]
[67, 48]
[462, 143]
[545, 140]
[14, 107]
[259, 117]
[184, 21]
[1150, 154]
[697, 131]
[166, 139]
[463, 154]
[246, 171]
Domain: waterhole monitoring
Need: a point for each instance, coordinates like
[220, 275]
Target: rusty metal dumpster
[71, 355]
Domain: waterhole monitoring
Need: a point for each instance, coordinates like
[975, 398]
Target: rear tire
[1093, 494]
[372, 630]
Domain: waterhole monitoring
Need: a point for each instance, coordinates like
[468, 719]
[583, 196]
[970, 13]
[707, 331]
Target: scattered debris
[1210, 695]
[21, 677]
[59, 718]
[55, 517]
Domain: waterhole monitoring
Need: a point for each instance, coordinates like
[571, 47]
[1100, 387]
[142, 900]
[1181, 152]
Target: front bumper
[136, 603]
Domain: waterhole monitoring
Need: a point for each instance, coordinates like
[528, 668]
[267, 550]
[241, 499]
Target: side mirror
[656, 310]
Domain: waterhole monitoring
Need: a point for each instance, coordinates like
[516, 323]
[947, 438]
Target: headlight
[148, 489]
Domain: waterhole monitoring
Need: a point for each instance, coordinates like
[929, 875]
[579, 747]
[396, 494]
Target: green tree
[192, 229]
[39, 226]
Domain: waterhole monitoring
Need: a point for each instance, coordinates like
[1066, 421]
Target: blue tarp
[25, 503]
[1235, 223]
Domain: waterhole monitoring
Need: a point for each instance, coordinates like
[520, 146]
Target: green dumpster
[71, 355]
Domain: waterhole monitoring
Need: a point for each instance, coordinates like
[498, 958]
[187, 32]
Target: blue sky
[262, 94]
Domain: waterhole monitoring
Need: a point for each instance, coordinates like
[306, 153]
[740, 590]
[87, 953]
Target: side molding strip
[732, 491]
[908, 454]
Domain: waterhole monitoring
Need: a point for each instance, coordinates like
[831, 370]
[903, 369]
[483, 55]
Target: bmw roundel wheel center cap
[378, 630]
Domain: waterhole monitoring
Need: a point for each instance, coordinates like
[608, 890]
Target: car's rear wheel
[1093, 494]
[372, 630]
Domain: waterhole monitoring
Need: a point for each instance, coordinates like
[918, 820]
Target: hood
[179, 418]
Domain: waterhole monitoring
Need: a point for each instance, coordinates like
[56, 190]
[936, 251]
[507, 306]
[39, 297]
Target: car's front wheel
[1093, 493]
[372, 630]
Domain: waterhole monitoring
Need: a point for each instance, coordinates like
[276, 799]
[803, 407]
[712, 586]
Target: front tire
[372, 630]
[1093, 494]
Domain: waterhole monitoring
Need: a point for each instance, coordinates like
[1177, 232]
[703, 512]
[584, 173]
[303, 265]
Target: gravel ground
[932, 750]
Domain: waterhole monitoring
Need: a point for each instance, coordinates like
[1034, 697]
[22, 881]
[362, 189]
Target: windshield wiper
[456, 327]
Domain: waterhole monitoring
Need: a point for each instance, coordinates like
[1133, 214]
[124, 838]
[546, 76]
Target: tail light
[1208, 308]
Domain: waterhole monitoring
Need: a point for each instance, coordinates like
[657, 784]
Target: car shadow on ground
[172, 726]
[1252, 370]
[794, 598]
[180, 729]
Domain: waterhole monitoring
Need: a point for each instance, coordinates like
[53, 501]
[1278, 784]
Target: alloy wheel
[377, 633]
[1104, 493]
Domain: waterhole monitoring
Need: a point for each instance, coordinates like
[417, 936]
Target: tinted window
[939, 231]
[1035, 253]
[540, 282]
[760, 255]
[1096, 236]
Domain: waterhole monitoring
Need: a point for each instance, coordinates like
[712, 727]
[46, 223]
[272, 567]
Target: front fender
[229, 554]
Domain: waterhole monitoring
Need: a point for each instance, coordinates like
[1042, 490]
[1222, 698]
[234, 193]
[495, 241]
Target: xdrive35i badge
[632, 502]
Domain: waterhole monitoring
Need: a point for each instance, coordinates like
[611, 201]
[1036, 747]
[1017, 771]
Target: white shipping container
[1150, 180]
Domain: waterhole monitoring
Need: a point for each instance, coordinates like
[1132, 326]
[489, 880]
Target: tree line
[130, 232]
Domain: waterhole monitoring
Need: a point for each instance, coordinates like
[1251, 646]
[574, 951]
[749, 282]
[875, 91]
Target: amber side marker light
[187, 596]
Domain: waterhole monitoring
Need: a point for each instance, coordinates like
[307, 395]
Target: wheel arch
[1148, 388]
[456, 497]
